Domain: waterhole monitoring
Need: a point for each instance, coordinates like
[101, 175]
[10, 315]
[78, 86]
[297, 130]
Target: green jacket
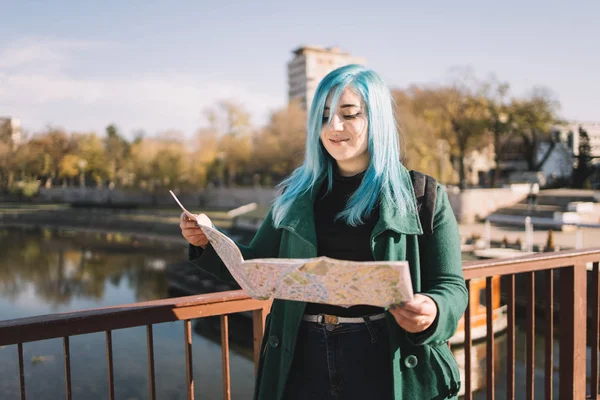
[423, 365]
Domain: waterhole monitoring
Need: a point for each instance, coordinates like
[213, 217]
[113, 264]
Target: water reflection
[61, 267]
[46, 271]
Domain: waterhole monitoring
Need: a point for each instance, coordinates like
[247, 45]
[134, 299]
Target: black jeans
[352, 361]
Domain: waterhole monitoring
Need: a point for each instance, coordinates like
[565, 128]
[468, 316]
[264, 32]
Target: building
[593, 131]
[10, 131]
[309, 66]
[478, 164]
[558, 167]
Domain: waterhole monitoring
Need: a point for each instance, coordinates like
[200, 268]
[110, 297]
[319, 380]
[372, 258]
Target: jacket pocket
[448, 366]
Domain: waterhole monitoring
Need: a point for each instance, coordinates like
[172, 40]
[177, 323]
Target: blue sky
[155, 66]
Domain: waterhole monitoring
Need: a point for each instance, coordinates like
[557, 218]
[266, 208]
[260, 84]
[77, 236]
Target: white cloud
[18, 57]
[37, 89]
[43, 54]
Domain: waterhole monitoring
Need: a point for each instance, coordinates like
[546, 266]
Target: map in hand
[316, 280]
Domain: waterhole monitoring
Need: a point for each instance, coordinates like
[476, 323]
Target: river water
[46, 271]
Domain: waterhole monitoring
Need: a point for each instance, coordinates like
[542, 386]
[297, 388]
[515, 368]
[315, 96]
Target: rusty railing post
[572, 346]
[258, 318]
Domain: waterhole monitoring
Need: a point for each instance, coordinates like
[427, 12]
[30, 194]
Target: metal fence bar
[530, 357]
[534, 262]
[572, 345]
[549, 337]
[510, 342]
[258, 323]
[489, 316]
[189, 369]
[109, 361]
[21, 370]
[52, 326]
[67, 357]
[595, 328]
[150, 344]
[225, 357]
[468, 348]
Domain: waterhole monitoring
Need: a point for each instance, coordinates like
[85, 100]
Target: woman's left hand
[416, 315]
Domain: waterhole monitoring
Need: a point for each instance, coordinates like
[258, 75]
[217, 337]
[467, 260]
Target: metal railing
[107, 319]
[573, 290]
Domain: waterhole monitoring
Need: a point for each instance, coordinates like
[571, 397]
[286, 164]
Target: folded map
[316, 280]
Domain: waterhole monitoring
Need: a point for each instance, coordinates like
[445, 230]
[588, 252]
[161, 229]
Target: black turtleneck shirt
[336, 239]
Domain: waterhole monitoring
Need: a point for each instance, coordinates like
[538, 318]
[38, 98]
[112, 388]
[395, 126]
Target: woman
[353, 199]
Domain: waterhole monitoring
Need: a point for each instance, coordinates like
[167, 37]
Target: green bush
[25, 188]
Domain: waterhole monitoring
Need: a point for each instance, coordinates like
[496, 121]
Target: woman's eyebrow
[344, 106]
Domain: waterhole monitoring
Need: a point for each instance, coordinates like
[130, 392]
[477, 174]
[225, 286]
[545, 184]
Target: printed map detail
[316, 280]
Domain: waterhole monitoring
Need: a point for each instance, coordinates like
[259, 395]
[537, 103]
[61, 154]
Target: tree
[7, 170]
[26, 161]
[460, 113]
[143, 152]
[235, 151]
[54, 144]
[228, 118]
[417, 118]
[169, 164]
[117, 151]
[204, 155]
[92, 154]
[499, 122]
[534, 119]
[68, 167]
[279, 148]
[231, 122]
[583, 163]
[161, 161]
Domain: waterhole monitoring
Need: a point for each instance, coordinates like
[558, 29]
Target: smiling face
[346, 137]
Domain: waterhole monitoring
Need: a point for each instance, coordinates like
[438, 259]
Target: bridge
[572, 277]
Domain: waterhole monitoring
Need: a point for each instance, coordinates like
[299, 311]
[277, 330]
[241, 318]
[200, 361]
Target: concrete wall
[213, 198]
[234, 197]
[472, 204]
[468, 206]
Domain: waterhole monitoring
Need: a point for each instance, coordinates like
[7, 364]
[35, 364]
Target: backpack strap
[426, 192]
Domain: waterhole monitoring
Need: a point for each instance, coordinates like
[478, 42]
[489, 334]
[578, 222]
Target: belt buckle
[328, 321]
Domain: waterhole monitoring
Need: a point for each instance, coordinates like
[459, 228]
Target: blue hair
[383, 175]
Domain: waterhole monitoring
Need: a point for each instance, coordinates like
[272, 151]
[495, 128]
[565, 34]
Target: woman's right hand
[192, 232]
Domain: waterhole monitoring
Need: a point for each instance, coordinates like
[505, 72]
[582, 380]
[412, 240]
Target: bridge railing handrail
[572, 266]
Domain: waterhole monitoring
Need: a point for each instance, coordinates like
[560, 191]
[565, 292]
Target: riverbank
[151, 223]
[590, 237]
[164, 223]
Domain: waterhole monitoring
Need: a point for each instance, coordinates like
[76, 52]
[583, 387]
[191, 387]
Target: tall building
[10, 131]
[310, 65]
